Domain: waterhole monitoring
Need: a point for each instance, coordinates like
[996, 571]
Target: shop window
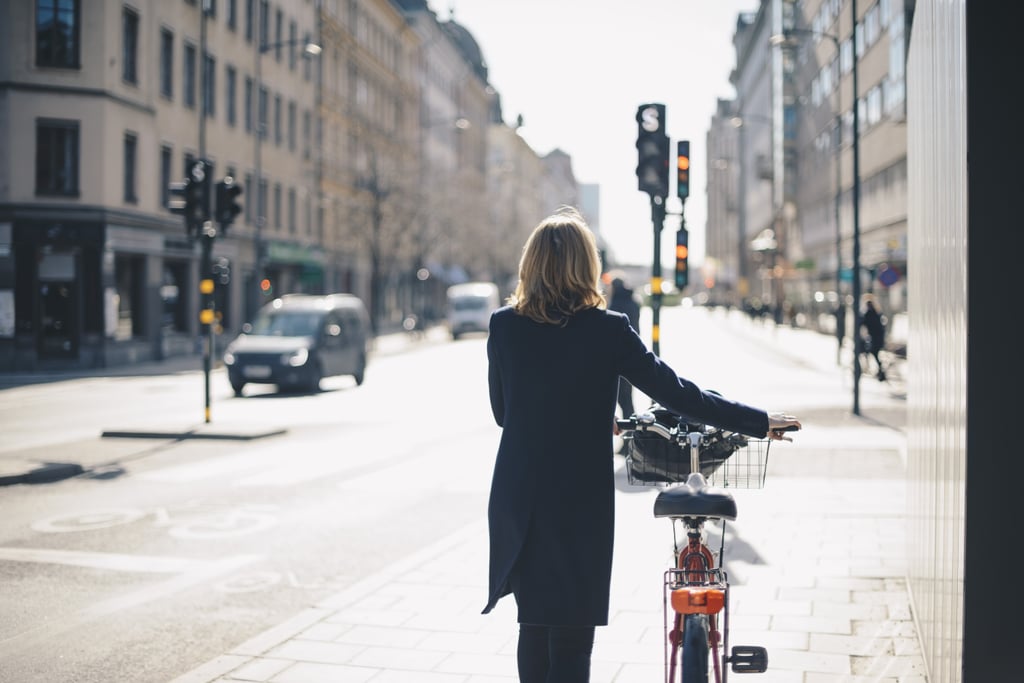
[128, 297]
[173, 295]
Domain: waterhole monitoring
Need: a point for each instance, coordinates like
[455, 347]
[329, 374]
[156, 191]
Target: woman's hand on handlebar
[779, 424]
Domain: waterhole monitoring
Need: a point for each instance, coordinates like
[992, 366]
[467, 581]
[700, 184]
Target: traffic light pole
[658, 220]
[208, 235]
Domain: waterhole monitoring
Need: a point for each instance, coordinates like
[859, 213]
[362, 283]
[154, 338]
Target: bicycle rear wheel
[695, 649]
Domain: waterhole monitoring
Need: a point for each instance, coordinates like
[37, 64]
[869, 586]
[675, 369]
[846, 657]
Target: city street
[164, 554]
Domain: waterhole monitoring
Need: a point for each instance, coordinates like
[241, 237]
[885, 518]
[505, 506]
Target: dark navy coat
[552, 505]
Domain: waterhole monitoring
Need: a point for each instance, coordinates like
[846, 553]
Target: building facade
[107, 103]
[358, 131]
[791, 141]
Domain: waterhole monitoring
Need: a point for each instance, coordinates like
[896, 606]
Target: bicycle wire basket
[727, 460]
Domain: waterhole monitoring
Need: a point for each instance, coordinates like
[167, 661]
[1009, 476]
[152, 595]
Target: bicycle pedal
[749, 659]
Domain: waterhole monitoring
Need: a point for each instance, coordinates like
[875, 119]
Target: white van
[470, 306]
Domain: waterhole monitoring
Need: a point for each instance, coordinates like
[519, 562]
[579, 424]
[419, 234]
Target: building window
[232, 13]
[250, 19]
[307, 122]
[264, 23]
[57, 31]
[229, 95]
[57, 158]
[209, 85]
[261, 123]
[248, 198]
[189, 77]
[277, 206]
[166, 63]
[291, 210]
[131, 144]
[261, 203]
[278, 118]
[248, 104]
[278, 34]
[293, 46]
[129, 46]
[166, 156]
[292, 141]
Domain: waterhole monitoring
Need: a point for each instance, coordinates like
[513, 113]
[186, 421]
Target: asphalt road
[167, 553]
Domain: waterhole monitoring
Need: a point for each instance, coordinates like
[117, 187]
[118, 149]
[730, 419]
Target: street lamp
[840, 309]
[739, 122]
[309, 50]
[855, 187]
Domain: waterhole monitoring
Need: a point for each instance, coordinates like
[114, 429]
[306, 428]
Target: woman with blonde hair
[555, 355]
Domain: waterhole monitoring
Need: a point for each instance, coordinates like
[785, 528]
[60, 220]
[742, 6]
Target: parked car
[298, 339]
[470, 305]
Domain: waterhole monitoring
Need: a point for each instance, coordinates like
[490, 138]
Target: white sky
[578, 69]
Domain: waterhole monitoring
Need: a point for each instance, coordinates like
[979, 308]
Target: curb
[190, 434]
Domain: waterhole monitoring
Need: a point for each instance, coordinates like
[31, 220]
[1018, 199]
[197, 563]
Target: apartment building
[781, 165]
[358, 131]
[106, 103]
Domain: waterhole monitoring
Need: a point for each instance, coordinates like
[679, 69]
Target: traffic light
[197, 194]
[682, 251]
[683, 169]
[191, 198]
[652, 146]
[227, 201]
[266, 287]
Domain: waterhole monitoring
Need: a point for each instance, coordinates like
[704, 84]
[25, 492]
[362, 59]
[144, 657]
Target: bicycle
[697, 587]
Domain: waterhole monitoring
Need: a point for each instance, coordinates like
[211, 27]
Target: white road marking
[112, 561]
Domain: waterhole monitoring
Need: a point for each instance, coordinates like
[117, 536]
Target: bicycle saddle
[695, 499]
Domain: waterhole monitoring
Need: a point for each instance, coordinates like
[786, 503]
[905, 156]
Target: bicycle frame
[697, 591]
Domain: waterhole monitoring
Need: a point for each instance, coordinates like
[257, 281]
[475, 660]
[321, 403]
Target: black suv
[299, 339]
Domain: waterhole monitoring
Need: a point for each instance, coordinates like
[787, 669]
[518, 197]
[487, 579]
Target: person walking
[554, 358]
[623, 300]
[874, 325]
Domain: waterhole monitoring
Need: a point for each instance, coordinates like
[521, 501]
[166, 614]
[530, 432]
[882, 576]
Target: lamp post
[310, 49]
[740, 122]
[855, 189]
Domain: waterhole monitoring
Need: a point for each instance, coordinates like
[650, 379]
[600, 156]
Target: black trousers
[554, 654]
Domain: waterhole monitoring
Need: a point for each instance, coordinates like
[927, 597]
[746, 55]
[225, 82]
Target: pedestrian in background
[554, 360]
[623, 300]
[874, 325]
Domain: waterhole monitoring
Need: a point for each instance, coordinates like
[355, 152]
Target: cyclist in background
[555, 355]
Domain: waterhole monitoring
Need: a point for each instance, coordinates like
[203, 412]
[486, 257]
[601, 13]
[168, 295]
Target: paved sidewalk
[818, 565]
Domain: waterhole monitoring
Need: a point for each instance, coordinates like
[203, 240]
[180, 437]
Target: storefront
[85, 294]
